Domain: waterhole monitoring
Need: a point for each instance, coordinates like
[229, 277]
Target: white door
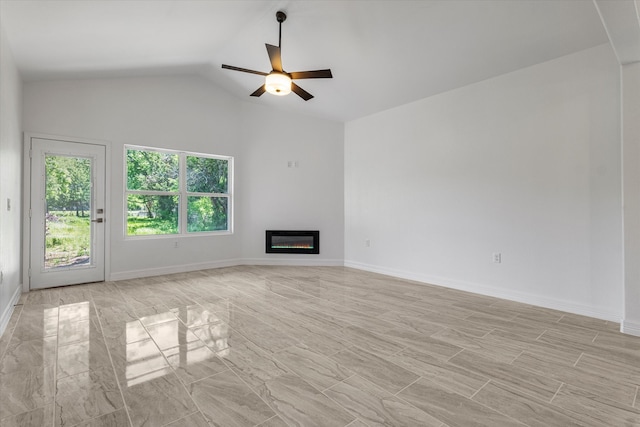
[67, 213]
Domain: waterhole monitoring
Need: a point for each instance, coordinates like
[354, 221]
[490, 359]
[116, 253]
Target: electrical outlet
[175, 245]
[497, 257]
[367, 243]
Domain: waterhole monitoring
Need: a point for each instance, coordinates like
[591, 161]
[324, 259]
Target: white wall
[185, 113]
[526, 164]
[10, 181]
[631, 179]
[190, 113]
[307, 197]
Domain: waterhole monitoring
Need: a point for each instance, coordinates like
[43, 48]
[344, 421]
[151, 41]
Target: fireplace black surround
[293, 242]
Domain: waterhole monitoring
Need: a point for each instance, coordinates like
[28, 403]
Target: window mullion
[183, 201]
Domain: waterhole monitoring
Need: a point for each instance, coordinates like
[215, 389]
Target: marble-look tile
[484, 308]
[268, 338]
[193, 361]
[137, 362]
[377, 407]
[275, 421]
[585, 322]
[227, 402]
[202, 314]
[43, 296]
[520, 378]
[614, 353]
[114, 299]
[619, 341]
[605, 411]
[30, 354]
[31, 327]
[420, 342]
[151, 310]
[37, 417]
[389, 331]
[214, 335]
[157, 318]
[624, 373]
[501, 350]
[125, 332]
[194, 420]
[72, 332]
[82, 356]
[75, 294]
[25, 390]
[170, 334]
[118, 418]
[519, 327]
[453, 377]
[318, 370]
[158, 401]
[526, 408]
[375, 369]
[252, 364]
[420, 321]
[602, 385]
[116, 314]
[75, 312]
[451, 408]
[553, 352]
[87, 395]
[13, 320]
[300, 404]
[370, 341]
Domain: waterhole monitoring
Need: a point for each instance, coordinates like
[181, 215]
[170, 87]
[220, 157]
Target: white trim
[8, 311]
[148, 272]
[477, 288]
[26, 200]
[296, 262]
[631, 328]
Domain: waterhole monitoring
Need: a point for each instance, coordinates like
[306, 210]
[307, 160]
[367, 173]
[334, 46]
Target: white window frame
[182, 193]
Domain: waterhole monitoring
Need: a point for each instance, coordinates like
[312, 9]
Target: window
[171, 192]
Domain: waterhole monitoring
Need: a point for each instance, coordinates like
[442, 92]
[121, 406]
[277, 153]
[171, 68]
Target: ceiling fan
[278, 81]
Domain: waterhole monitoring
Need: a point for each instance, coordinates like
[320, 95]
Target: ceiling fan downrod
[281, 17]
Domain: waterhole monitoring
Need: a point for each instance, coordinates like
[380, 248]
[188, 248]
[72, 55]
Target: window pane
[149, 215]
[207, 214]
[205, 175]
[151, 170]
[68, 204]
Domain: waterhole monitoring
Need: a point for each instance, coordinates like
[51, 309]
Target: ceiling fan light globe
[278, 84]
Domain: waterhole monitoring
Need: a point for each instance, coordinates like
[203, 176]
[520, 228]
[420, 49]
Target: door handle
[97, 220]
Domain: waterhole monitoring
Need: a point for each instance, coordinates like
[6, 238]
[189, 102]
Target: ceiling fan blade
[274, 57]
[259, 91]
[244, 70]
[315, 74]
[301, 92]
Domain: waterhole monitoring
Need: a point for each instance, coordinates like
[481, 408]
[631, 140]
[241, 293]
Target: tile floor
[312, 346]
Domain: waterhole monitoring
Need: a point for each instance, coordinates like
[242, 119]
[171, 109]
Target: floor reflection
[183, 336]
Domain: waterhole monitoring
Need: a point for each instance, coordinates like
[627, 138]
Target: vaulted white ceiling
[382, 53]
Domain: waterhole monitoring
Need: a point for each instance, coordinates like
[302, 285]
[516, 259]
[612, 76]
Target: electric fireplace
[293, 242]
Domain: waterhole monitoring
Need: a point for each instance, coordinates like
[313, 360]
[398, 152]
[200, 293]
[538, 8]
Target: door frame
[26, 201]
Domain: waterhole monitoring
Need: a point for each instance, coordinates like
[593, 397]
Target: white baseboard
[8, 311]
[477, 288]
[148, 272]
[631, 328]
[159, 271]
[306, 262]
